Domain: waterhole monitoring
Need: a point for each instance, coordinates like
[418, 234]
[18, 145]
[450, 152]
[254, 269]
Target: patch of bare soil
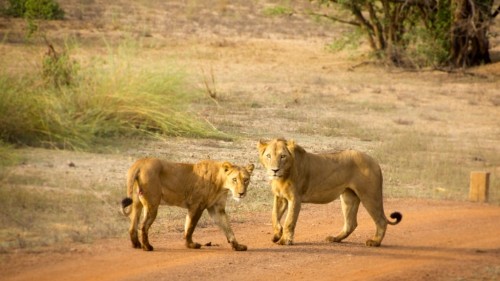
[437, 240]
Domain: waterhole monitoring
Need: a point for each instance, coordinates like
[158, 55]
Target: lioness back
[354, 161]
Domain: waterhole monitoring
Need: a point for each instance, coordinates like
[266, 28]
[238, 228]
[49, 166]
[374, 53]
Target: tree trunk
[469, 38]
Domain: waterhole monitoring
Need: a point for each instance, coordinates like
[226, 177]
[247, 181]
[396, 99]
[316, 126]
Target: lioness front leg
[192, 219]
[279, 208]
[218, 213]
[290, 222]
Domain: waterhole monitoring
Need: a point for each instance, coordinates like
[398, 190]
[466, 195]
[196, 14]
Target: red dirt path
[437, 240]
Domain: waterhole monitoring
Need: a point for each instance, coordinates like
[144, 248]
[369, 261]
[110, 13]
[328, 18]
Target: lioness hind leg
[350, 205]
[149, 215]
[376, 211]
[134, 221]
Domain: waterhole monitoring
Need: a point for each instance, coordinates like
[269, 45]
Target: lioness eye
[283, 156]
[268, 156]
[246, 181]
[234, 180]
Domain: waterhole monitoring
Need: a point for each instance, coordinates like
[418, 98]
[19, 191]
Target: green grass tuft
[278, 11]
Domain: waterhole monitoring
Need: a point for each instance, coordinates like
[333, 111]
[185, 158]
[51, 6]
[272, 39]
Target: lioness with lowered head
[196, 187]
[300, 177]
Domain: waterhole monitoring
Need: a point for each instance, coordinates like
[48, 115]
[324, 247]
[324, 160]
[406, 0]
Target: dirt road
[437, 240]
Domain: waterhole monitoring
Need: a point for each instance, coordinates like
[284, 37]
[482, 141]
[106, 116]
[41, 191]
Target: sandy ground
[437, 240]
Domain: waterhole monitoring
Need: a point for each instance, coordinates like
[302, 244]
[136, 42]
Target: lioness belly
[322, 195]
[173, 199]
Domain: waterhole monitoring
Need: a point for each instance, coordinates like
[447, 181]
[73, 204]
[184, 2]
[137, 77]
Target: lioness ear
[250, 168]
[290, 144]
[262, 146]
[227, 166]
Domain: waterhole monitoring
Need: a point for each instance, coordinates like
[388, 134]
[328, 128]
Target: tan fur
[196, 187]
[300, 177]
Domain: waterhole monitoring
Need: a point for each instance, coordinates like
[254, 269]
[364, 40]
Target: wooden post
[479, 186]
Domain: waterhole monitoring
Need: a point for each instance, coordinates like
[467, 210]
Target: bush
[107, 98]
[35, 9]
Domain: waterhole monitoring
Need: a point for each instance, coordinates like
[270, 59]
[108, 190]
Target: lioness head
[277, 157]
[237, 179]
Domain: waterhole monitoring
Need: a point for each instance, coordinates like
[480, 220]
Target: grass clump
[7, 154]
[8, 157]
[278, 11]
[58, 68]
[106, 98]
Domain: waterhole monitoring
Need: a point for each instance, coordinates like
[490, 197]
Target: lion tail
[127, 201]
[131, 180]
[396, 216]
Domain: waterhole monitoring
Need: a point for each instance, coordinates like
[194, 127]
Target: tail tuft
[127, 201]
[397, 216]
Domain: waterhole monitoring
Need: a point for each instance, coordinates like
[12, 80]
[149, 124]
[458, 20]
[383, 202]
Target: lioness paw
[193, 245]
[239, 247]
[276, 238]
[136, 244]
[285, 242]
[333, 239]
[372, 243]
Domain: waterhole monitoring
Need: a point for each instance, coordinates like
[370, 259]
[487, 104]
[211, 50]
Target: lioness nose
[275, 170]
[241, 193]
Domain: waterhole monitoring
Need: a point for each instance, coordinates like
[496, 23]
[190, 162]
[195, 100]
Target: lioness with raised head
[300, 177]
[196, 187]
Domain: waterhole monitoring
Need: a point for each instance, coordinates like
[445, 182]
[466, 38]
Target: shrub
[35, 9]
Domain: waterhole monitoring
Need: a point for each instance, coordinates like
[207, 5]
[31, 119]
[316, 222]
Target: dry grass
[36, 214]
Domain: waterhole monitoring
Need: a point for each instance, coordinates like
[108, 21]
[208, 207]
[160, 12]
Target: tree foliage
[422, 32]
